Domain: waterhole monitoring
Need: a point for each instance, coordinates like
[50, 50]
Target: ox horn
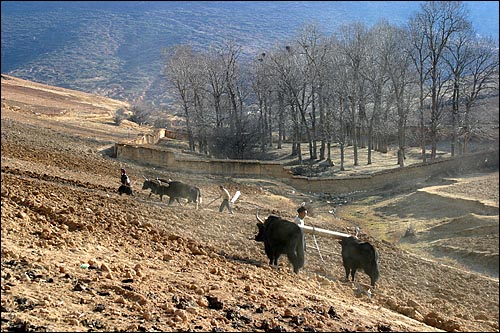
[144, 177]
[257, 216]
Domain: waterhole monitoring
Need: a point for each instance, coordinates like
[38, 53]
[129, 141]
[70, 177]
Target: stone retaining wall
[406, 175]
[163, 157]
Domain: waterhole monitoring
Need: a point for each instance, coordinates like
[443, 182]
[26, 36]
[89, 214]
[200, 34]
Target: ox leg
[274, 262]
[347, 271]
[353, 273]
[273, 259]
[268, 253]
[276, 256]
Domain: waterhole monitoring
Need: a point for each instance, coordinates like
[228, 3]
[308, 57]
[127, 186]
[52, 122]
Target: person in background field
[125, 184]
[224, 194]
[301, 215]
[124, 178]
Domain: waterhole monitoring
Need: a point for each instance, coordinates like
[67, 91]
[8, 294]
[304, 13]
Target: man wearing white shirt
[226, 197]
[302, 212]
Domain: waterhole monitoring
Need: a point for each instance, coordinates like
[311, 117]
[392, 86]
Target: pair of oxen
[284, 237]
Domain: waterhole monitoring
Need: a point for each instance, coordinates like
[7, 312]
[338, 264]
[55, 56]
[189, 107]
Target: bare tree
[272, 75]
[233, 84]
[341, 121]
[457, 57]
[314, 47]
[179, 60]
[214, 72]
[339, 111]
[398, 68]
[261, 83]
[481, 74]
[212, 93]
[354, 41]
[227, 81]
[292, 76]
[376, 77]
[330, 94]
[420, 57]
[438, 21]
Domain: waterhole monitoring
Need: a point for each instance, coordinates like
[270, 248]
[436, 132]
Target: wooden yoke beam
[323, 232]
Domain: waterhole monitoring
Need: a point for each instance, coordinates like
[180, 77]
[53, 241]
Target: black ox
[359, 255]
[281, 237]
[173, 189]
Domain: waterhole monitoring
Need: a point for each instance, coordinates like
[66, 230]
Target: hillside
[76, 256]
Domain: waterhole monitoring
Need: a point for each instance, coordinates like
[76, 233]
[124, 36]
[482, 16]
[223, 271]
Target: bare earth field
[76, 256]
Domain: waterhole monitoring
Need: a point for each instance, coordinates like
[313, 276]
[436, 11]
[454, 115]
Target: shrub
[120, 114]
[139, 115]
[227, 144]
[410, 231]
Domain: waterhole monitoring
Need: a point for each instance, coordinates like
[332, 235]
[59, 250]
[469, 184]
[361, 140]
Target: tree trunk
[281, 120]
[342, 156]
[370, 130]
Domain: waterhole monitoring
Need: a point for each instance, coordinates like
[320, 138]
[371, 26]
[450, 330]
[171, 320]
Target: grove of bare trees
[360, 86]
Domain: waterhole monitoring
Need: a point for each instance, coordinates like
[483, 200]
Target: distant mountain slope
[114, 50]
